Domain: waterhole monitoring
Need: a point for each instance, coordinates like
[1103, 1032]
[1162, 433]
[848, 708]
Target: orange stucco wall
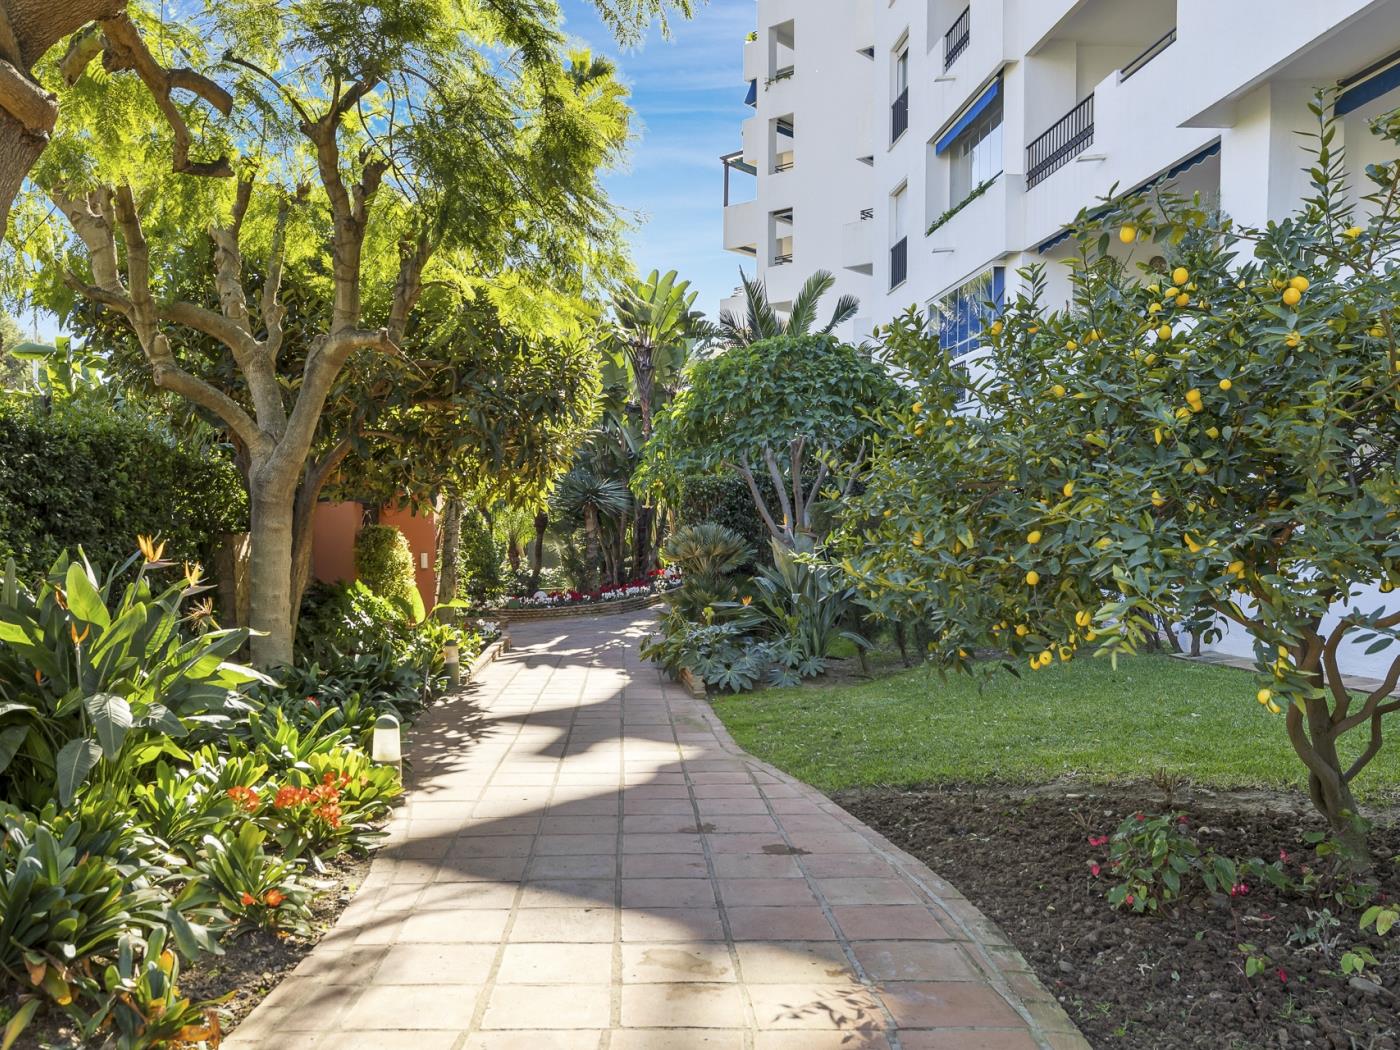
[336, 525]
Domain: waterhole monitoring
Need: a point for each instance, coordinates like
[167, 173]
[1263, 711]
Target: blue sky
[688, 93]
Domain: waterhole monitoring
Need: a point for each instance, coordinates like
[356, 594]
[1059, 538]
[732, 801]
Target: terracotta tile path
[586, 861]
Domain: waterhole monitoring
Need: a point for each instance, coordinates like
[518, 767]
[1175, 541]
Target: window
[976, 153]
[899, 236]
[899, 108]
[962, 313]
[781, 142]
[781, 231]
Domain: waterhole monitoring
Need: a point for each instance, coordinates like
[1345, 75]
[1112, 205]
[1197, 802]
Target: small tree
[799, 408]
[1218, 434]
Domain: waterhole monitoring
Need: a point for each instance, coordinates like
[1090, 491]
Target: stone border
[567, 612]
[487, 655]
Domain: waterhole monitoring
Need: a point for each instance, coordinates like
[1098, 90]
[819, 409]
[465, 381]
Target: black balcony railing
[1152, 50]
[782, 165]
[866, 214]
[955, 41]
[899, 115]
[1069, 137]
[782, 258]
[899, 262]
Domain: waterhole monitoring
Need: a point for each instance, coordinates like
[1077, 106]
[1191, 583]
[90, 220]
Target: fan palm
[590, 496]
[763, 322]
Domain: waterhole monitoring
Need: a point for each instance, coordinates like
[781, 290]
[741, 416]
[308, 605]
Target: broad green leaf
[18, 1023]
[11, 740]
[84, 601]
[111, 720]
[75, 761]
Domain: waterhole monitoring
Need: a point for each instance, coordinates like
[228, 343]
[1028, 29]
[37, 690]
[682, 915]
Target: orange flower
[274, 898]
[246, 798]
[78, 639]
[247, 899]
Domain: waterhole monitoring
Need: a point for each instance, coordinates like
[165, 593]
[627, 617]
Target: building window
[962, 313]
[781, 143]
[976, 154]
[899, 108]
[781, 230]
[899, 236]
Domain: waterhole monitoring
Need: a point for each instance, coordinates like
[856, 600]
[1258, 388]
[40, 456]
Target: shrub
[384, 564]
[94, 477]
[96, 682]
[724, 499]
[257, 890]
[480, 579]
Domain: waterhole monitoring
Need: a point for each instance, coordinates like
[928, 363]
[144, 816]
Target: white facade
[998, 121]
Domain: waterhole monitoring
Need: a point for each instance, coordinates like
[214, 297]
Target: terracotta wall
[336, 525]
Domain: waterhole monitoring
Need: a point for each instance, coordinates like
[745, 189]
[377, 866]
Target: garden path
[586, 860]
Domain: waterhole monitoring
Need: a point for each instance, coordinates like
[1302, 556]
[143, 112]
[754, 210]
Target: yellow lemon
[1225, 384]
[919, 430]
[918, 407]
[1293, 339]
[1150, 360]
[1033, 536]
[918, 539]
[997, 327]
[1071, 345]
[1165, 332]
[1058, 390]
[1352, 232]
[1212, 432]
[1158, 500]
[1046, 657]
[1291, 296]
[1090, 636]
[1194, 394]
[1180, 275]
[1033, 329]
[1191, 544]
[1153, 308]
[1301, 283]
[1386, 587]
[1235, 568]
[1093, 336]
[1377, 332]
[1183, 300]
[1068, 490]
[1264, 696]
[1082, 618]
[1273, 708]
[1128, 233]
[887, 512]
[1022, 630]
[1032, 577]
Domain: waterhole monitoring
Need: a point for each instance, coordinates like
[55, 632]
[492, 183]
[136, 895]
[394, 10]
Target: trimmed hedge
[725, 499]
[96, 477]
[384, 563]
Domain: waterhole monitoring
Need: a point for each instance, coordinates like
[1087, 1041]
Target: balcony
[1070, 136]
[742, 225]
[899, 263]
[899, 116]
[1152, 50]
[957, 38]
[858, 243]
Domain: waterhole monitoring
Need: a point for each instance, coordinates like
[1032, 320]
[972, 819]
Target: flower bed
[656, 583]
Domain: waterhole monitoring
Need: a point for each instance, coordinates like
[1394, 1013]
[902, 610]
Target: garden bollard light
[386, 749]
[452, 655]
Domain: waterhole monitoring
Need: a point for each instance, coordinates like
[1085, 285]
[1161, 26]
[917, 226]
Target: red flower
[1283, 855]
[1181, 818]
[1239, 889]
[1128, 899]
[1139, 816]
[1282, 976]
[247, 899]
[274, 898]
[313, 701]
[1099, 840]
[245, 797]
[1094, 870]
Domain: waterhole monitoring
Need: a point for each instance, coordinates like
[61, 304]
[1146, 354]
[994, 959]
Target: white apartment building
[925, 151]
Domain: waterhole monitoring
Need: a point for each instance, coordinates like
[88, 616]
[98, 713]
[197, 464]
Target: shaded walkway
[586, 860]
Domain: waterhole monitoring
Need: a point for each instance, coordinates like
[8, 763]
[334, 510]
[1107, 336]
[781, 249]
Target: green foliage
[98, 679]
[95, 477]
[807, 604]
[253, 887]
[480, 561]
[762, 321]
[719, 651]
[384, 564]
[1226, 443]
[723, 498]
[764, 407]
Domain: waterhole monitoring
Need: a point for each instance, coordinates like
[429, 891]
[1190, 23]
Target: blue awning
[1171, 173]
[1368, 90]
[969, 115]
[751, 99]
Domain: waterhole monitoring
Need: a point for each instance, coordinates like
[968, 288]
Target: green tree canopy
[798, 408]
[1217, 435]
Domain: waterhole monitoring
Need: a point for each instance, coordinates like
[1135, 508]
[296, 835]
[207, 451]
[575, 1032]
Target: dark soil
[252, 964]
[1169, 980]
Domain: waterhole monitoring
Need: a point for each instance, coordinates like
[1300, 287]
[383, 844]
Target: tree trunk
[591, 550]
[271, 504]
[514, 553]
[19, 149]
[449, 574]
[537, 550]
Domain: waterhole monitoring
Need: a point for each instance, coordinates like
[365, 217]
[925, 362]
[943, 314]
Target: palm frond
[846, 307]
[803, 317]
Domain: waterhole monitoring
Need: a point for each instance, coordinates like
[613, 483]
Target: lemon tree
[1210, 428]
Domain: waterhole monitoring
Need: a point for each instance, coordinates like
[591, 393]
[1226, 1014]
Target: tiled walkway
[586, 860]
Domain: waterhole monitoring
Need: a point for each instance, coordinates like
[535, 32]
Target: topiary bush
[384, 563]
[96, 477]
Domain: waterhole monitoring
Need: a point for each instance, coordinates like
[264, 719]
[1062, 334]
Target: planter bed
[562, 612]
[1153, 982]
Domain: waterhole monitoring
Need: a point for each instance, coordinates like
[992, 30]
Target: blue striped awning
[1171, 173]
[968, 116]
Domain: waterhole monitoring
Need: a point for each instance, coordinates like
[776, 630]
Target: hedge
[96, 477]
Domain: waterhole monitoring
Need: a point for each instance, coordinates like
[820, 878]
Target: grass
[1083, 719]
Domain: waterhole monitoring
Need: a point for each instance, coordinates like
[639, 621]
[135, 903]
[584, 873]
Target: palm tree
[654, 326]
[763, 322]
[592, 497]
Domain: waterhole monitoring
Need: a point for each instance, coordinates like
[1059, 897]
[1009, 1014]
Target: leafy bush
[94, 477]
[384, 564]
[723, 498]
[253, 887]
[92, 681]
[480, 556]
[720, 652]
[708, 555]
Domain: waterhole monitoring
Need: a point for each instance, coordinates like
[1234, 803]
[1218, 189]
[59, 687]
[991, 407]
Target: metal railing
[899, 262]
[1070, 135]
[899, 115]
[866, 214]
[782, 258]
[782, 73]
[783, 165]
[955, 41]
[1152, 50]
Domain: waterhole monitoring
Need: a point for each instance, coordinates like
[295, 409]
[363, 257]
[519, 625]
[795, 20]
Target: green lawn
[1081, 719]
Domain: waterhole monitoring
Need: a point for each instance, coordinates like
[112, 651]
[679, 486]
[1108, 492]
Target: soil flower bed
[1174, 977]
[658, 581]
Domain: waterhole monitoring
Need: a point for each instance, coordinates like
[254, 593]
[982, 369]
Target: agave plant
[807, 605]
[99, 677]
